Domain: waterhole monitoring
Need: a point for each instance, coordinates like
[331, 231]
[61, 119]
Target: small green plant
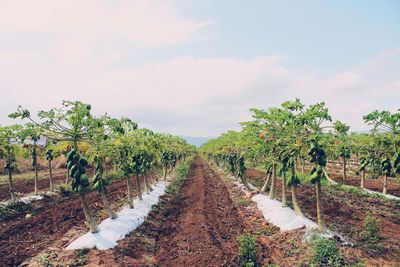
[241, 201]
[324, 252]
[182, 172]
[45, 259]
[370, 233]
[247, 250]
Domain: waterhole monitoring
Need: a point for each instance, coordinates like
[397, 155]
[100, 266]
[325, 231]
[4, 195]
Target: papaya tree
[314, 117]
[99, 148]
[49, 158]
[168, 162]
[341, 131]
[122, 130]
[32, 134]
[137, 170]
[69, 123]
[240, 171]
[147, 163]
[9, 136]
[386, 124]
[292, 183]
[318, 157]
[363, 167]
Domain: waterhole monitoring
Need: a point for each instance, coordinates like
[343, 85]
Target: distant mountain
[196, 141]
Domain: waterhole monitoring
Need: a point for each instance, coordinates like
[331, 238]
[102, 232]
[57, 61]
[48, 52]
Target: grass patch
[45, 259]
[248, 250]
[324, 252]
[241, 202]
[370, 233]
[181, 173]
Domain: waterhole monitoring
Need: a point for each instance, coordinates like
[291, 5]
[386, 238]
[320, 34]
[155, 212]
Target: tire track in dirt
[22, 238]
[206, 225]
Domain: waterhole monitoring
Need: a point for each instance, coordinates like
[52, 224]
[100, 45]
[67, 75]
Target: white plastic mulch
[381, 194]
[27, 199]
[128, 220]
[283, 217]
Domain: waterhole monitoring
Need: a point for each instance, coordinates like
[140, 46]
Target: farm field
[209, 214]
[53, 218]
[142, 133]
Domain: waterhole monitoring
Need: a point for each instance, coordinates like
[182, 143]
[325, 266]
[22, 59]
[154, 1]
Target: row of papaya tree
[134, 151]
[293, 139]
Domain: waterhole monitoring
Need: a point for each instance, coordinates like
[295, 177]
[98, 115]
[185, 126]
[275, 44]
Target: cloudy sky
[195, 67]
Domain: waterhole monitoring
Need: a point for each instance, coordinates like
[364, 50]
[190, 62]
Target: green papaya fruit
[83, 162]
[76, 157]
[84, 179]
[71, 154]
[73, 170]
[70, 164]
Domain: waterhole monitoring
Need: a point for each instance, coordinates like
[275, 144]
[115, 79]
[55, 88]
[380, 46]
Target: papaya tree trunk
[320, 219]
[362, 178]
[51, 177]
[11, 187]
[294, 201]
[138, 189]
[265, 186]
[244, 181]
[36, 180]
[146, 182]
[284, 199]
[67, 177]
[88, 214]
[165, 173]
[272, 190]
[344, 169]
[385, 184]
[130, 198]
[106, 204]
[302, 165]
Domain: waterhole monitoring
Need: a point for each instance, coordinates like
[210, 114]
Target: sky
[196, 67]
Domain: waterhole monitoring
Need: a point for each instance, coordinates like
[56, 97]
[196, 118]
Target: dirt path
[197, 227]
[22, 238]
[208, 223]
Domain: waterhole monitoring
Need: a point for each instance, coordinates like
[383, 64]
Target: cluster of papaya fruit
[318, 156]
[396, 162]
[386, 166]
[49, 155]
[77, 166]
[98, 182]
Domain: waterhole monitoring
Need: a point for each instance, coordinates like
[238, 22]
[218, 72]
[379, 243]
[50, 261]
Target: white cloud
[196, 96]
[78, 30]
[183, 95]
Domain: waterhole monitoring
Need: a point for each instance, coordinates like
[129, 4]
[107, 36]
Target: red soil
[372, 184]
[198, 227]
[345, 212]
[22, 238]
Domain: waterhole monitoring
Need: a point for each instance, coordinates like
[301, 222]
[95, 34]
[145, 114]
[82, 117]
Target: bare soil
[371, 184]
[22, 238]
[198, 227]
[345, 212]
